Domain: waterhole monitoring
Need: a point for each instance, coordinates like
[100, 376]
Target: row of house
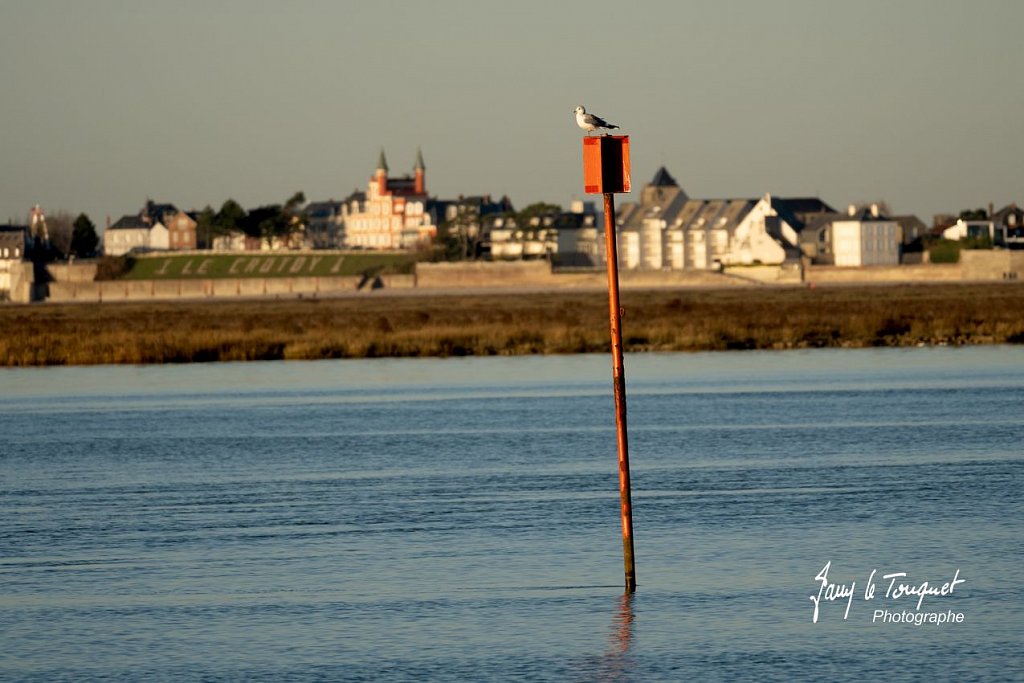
[158, 227]
[394, 212]
[17, 245]
[398, 213]
[1002, 228]
[668, 229]
[664, 229]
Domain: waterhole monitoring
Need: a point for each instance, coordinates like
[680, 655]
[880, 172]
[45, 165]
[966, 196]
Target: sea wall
[925, 272]
[1002, 264]
[655, 279]
[787, 274]
[72, 272]
[74, 282]
[483, 274]
[538, 274]
[298, 287]
[22, 286]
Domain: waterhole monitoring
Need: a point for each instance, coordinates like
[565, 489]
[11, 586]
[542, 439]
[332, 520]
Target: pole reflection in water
[615, 664]
[623, 625]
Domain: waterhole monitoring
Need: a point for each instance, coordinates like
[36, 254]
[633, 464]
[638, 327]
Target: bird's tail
[610, 126]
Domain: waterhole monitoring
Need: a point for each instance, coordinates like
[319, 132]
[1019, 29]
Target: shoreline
[516, 322]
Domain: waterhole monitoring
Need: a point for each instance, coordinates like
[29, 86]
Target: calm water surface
[458, 519]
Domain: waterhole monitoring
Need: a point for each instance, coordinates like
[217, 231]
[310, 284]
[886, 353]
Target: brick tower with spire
[392, 213]
[421, 174]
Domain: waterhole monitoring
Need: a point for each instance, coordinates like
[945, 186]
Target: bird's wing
[599, 122]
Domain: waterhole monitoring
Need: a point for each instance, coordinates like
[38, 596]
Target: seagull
[589, 122]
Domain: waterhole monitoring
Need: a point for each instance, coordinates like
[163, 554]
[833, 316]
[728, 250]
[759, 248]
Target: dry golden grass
[509, 324]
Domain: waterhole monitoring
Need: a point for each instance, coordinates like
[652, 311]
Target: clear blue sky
[104, 103]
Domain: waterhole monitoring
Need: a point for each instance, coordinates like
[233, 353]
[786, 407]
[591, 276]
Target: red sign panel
[606, 164]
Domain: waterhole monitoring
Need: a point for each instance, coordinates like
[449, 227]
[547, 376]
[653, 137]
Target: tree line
[269, 222]
[66, 237]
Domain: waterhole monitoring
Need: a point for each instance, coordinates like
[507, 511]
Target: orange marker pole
[606, 171]
[619, 379]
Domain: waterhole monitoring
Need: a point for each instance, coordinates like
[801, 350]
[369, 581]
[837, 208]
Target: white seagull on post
[589, 122]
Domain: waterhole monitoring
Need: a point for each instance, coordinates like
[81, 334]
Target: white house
[976, 229]
[766, 234]
[133, 233]
[866, 240]
[12, 253]
[159, 237]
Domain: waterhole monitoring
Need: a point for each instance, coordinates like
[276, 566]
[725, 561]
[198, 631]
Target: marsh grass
[509, 324]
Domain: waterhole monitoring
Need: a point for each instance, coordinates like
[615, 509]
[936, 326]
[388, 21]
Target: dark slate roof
[129, 223]
[822, 221]
[624, 214]
[156, 212]
[784, 208]
[735, 212]
[819, 221]
[686, 213]
[323, 209]
[482, 202]
[402, 186]
[864, 214]
[1001, 216]
[801, 206]
[663, 179]
[13, 237]
[909, 220]
[573, 221]
[675, 206]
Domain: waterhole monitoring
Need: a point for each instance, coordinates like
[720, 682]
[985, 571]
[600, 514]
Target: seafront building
[325, 225]
[669, 230]
[866, 238]
[867, 235]
[392, 213]
[566, 238]
[157, 227]
[13, 243]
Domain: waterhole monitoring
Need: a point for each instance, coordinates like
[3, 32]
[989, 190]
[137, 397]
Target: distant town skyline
[108, 103]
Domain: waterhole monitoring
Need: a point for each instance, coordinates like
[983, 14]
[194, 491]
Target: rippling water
[458, 519]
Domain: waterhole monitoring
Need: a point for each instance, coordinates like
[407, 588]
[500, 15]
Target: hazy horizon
[108, 103]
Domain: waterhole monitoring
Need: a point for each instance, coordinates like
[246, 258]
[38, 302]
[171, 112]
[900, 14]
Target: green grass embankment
[553, 322]
[277, 264]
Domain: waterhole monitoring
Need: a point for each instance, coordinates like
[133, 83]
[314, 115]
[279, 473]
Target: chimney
[874, 210]
[851, 209]
[991, 210]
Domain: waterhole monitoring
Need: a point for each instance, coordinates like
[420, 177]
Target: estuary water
[458, 520]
